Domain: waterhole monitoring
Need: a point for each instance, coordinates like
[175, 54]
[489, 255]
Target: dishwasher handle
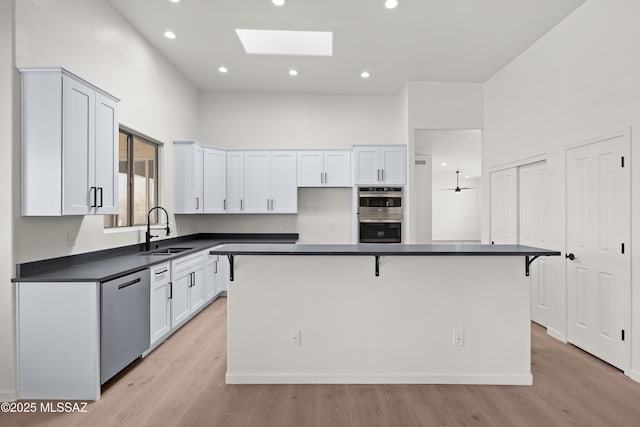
[132, 282]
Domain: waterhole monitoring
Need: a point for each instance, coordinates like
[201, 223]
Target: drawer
[161, 272]
[187, 262]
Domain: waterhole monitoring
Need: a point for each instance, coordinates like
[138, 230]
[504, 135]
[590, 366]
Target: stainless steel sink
[169, 251]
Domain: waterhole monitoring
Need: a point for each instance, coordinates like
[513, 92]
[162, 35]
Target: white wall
[9, 137]
[92, 40]
[437, 106]
[578, 82]
[456, 216]
[297, 121]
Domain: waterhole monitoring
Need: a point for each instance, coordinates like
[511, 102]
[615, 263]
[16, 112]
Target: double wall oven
[380, 214]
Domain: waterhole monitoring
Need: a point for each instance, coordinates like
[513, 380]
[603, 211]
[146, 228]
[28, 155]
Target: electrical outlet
[458, 337]
[294, 337]
[72, 238]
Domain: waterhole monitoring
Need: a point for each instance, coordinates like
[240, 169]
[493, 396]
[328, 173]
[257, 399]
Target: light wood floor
[182, 383]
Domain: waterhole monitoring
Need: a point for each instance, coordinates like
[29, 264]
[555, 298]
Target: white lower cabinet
[160, 308]
[222, 275]
[210, 276]
[187, 289]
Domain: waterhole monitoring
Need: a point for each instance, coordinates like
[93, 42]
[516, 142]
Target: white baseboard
[8, 395]
[634, 374]
[557, 335]
[399, 378]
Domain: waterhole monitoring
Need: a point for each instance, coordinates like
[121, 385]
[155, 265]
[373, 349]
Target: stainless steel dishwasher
[124, 326]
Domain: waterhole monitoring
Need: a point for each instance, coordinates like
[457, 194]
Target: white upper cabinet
[375, 165]
[188, 179]
[215, 181]
[235, 181]
[257, 173]
[284, 191]
[324, 169]
[69, 145]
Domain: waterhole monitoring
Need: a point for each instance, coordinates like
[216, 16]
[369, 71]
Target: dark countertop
[380, 249]
[112, 263]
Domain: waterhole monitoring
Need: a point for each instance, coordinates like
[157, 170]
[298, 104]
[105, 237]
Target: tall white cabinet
[69, 145]
[377, 165]
[215, 181]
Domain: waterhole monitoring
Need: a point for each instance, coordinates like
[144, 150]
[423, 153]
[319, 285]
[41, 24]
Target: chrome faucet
[148, 236]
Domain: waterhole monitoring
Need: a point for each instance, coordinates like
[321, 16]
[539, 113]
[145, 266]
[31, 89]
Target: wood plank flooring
[182, 384]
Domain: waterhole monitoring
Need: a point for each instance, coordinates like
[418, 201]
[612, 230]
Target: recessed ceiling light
[278, 42]
[174, 1]
[170, 35]
[365, 75]
[391, 4]
[278, 2]
[293, 72]
[444, 164]
[466, 176]
[223, 69]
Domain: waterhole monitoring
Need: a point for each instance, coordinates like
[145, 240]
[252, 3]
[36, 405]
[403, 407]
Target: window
[138, 181]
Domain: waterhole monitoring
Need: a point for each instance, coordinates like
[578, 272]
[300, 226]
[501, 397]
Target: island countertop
[381, 250]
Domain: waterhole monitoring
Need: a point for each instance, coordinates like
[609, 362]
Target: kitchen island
[430, 314]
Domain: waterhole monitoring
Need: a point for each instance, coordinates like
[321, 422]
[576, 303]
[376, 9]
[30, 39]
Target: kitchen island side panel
[395, 328]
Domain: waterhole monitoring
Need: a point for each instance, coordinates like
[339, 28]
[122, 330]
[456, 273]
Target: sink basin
[169, 251]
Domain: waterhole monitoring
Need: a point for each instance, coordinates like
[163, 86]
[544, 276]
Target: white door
[160, 309]
[366, 165]
[78, 136]
[180, 308]
[532, 214]
[597, 228]
[310, 169]
[215, 180]
[284, 191]
[256, 181]
[197, 291]
[392, 165]
[235, 181]
[337, 169]
[504, 206]
[198, 176]
[106, 159]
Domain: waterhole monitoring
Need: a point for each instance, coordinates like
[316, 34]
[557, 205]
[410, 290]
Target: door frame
[626, 135]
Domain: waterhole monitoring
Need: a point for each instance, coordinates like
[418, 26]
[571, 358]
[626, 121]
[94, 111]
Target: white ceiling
[459, 149]
[421, 40]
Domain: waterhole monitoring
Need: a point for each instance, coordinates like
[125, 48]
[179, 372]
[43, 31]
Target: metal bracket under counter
[527, 263]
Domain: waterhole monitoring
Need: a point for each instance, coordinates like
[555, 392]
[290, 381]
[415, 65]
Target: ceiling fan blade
[467, 188]
[448, 189]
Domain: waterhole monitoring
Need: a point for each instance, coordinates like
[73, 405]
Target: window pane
[144, 180]
[122, 218]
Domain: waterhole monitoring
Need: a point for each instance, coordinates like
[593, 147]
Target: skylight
[276, 42]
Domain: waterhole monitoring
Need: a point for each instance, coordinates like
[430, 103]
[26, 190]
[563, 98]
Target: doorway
[448, 203]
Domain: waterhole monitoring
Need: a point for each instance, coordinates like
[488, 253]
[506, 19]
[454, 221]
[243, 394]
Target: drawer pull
[161, 272]
[126, 285]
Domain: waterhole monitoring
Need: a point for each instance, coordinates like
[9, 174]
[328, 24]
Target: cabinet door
[196, 297]
[198, 177]
[366, 165]
[180, 307]
[392, 165]
[310, 169]
[184, 190]
[284, 191]
[222, 276]
[256, 181]
[210, 273]
[235, 182]
[160, 310]
[106, 158]
[215, 180]
[337, 169]
[78, 146]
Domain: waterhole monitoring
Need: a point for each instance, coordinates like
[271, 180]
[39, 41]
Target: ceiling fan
[458, 188]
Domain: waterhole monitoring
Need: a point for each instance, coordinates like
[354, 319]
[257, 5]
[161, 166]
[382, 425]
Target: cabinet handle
[325, 177]
[241, 204]
[192, 281]
[268, 204]
[378, 174]
[215, 267]
[224, 204]
[321, 178]
[197, 203]
[100, 205]
[382, 173]
[161, 272]
[271, 204]
[92, 190]
[170, 290]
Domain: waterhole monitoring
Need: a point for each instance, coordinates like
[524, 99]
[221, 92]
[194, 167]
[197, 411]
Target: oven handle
[369, 221]
[380, 195]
